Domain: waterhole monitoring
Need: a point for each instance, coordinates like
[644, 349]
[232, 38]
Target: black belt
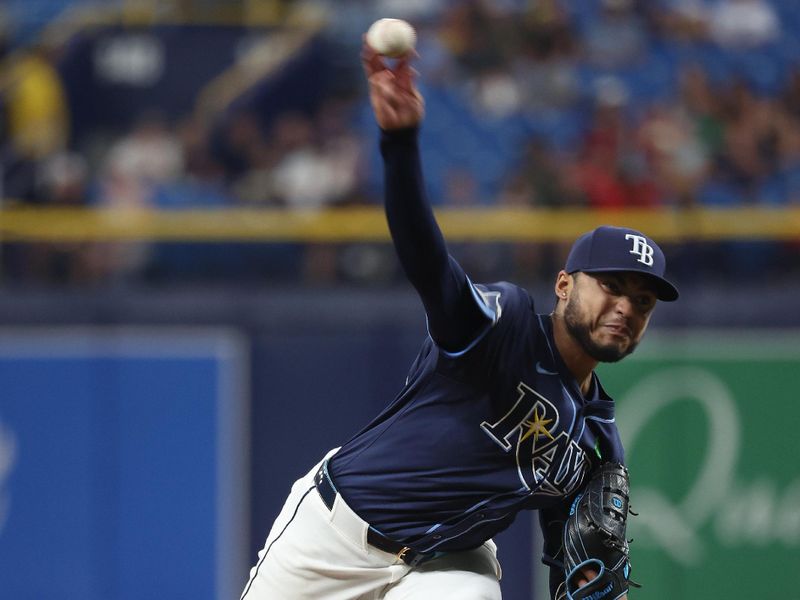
[327, 491]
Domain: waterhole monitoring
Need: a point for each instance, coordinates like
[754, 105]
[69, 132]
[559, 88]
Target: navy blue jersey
[477, 435]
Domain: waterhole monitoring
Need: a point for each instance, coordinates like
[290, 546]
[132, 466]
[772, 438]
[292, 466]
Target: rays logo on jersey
[548, 461]
[491, 299]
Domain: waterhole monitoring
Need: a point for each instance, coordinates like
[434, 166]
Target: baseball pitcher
[500, 412]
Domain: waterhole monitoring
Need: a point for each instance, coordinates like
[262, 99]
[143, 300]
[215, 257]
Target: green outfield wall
[710, 425]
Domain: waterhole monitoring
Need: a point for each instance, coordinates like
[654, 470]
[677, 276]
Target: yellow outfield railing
[368, 224]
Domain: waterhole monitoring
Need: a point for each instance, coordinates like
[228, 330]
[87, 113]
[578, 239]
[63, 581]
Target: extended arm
[455, 316]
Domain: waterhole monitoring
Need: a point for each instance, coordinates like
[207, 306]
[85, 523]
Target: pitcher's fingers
[406, 78]
[402, 71]
[404, 62]
[371, 60]
[383, 84]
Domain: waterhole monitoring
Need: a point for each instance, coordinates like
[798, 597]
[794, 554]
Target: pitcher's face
[607, 313]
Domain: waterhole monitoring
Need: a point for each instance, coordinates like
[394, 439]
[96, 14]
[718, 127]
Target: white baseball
[391, 37]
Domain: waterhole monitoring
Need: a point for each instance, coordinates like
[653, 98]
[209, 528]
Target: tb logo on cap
[642, 248]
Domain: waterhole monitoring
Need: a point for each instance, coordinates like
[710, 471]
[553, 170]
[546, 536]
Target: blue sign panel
[122, 464]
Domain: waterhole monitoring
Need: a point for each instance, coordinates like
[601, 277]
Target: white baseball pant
[313, 553]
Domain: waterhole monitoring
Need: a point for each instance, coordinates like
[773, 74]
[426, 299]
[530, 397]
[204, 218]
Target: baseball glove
[594, 536]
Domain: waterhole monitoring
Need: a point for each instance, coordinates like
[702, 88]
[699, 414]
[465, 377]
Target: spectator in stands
[435, 57]
[35, 119]
[35, 103]
[738, 23]
[344, 150]
[699, 100]
[545, 66]
[748, 136]
[317, 164]
[481, 38]
[314, 170]
[791, 93]
[681, 20]
[676, 157]
[496, 94]
[200, 164]
[732, 24]
[540, 180]
[478, 41]
[609, 169]
[63, 182]
[790, 138]
[681, 140]
[149, 155]
[249, 157]
[617, 37]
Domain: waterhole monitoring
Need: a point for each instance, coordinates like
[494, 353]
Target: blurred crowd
[546, 103]
[705, 138]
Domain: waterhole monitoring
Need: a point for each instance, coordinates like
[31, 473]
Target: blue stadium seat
[187, 196]
[773, 191]
[791, 177]
[584, 13]
[716, 62]
[762, 72]
[719, 193]
[31, 16]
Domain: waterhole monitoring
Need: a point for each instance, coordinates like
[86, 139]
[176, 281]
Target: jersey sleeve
[505, 341]
[455, 313]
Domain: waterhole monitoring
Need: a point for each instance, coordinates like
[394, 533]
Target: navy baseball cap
[621, 249]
